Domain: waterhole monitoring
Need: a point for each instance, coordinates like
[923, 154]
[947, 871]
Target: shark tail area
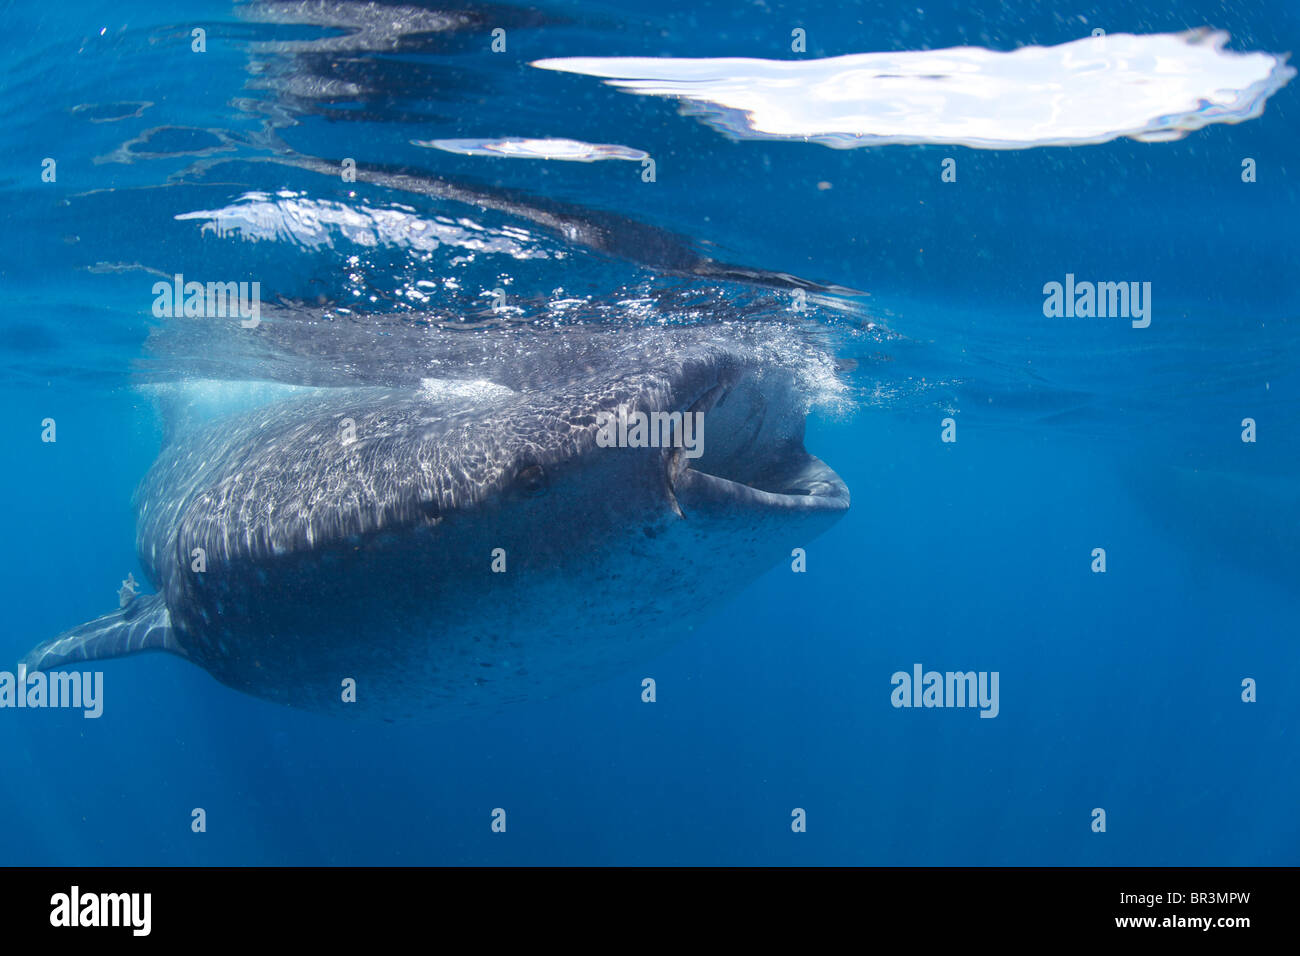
[143, 625]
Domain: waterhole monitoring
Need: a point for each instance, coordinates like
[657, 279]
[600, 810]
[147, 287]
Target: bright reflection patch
[566, 149]
[318, 224]
[1151, 88]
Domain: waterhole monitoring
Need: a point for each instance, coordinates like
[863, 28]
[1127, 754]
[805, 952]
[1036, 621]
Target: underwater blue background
[1118, 690]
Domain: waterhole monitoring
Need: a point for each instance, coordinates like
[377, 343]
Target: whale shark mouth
[753, 455]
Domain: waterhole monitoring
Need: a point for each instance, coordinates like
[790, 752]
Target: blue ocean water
[1119, 690]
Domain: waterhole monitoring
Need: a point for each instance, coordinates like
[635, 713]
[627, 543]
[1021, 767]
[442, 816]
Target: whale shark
[463, 540]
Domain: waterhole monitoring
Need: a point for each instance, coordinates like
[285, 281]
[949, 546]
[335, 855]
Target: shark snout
[749, 452]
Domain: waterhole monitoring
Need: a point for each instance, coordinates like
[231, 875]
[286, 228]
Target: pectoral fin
[143, 625]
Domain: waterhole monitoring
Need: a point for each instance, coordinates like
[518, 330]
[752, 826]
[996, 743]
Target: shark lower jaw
[765, 469]
[810, 486]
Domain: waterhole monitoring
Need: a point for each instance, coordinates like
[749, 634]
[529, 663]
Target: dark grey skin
[372, 559]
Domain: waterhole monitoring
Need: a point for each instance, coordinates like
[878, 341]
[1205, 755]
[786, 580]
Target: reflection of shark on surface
[468, 543]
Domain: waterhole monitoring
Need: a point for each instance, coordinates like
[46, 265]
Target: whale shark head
[669, 423]
[678, 435]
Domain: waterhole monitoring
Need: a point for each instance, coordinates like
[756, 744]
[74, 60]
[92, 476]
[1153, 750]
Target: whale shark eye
[531, 481]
